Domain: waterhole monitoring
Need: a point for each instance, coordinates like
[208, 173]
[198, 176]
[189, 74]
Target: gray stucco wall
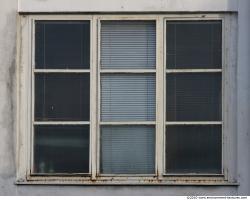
[8, 24]
[243, 96]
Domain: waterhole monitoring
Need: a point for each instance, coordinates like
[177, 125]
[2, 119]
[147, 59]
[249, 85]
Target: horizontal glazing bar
[192, 70]
[128, 71]
[195, 123]
[128, 123]
[61, 123]
[61, 70]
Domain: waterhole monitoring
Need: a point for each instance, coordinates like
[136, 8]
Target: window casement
[126, 99]
[61, 97]
[193, 140]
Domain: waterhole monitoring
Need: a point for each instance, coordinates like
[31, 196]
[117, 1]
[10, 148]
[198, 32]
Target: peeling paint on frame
[25, 57]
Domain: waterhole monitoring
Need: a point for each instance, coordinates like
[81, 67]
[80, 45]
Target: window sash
[61, 71]
[191, 70]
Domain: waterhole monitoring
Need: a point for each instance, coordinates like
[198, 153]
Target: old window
[126, 99]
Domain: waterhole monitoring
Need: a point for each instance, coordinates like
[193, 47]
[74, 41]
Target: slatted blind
[127, 149]
[128, 45]
[128, 97]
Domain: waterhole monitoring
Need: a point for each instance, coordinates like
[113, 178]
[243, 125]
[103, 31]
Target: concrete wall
[243, 81]
[8, 24]
[126, 5]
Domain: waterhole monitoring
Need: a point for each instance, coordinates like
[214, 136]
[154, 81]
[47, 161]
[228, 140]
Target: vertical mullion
[224, 26]
[32, 94]
[159, 157]
[98, 86]
[93, 95]
[223, 36]
[164, 158]
[164, 93]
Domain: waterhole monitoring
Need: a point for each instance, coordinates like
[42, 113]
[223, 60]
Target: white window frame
[25, 103]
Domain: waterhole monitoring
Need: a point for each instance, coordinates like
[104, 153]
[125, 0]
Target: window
[125, 99]
[61, 97]
[193, 97]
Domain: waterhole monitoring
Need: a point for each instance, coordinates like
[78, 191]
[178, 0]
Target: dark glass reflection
[62, 97]
[61, 149]
[193, 97]
[194, 44]
[193, 149]
[62, 44]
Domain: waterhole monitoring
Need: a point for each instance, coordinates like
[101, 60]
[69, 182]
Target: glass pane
[193, 149]
[127, 149]
[194, 44]
[62, 44]
[128, 44]
[61, 149]
[193, 97]
[127, 97]
[62, 97]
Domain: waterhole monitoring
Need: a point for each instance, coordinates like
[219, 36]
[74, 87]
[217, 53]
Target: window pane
[193, 97]
[127, 149]
[62, 97]
[193, 149]
[128, 44]
[62, 44]
[127, 97]
[61, 149]
[194, 44]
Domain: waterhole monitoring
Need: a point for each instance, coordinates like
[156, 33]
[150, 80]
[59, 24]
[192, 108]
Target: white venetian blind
[128, 45]
[128, 97]
[127, 149]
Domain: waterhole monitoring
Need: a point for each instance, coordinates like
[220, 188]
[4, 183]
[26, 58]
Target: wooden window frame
[25, 103]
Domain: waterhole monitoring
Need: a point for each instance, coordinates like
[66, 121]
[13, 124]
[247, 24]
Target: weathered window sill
[180, 181]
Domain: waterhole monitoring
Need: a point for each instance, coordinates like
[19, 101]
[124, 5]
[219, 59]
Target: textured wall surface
[8, 24]
[8, 13]
[126, 5]
[243, 96]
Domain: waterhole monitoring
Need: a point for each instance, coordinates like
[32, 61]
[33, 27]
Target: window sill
[174, 181]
